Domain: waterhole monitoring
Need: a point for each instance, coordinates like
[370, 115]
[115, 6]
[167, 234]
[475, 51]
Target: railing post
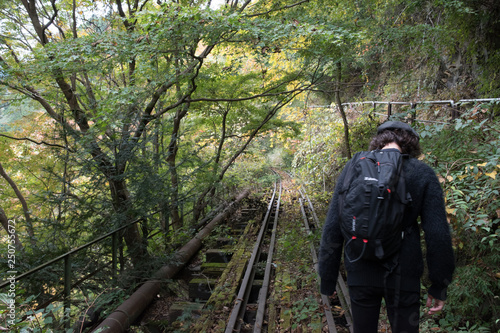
[67, 285]
[389, 110]
[414, 114]
[114, 249]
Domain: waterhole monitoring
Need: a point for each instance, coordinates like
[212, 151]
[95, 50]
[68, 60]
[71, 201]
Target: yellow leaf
[492, 174]
[451, 211]
[482, 164]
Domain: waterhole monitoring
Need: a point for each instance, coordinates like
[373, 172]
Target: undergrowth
[465, 153]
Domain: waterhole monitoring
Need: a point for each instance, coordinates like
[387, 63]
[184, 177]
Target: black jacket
[428, 204]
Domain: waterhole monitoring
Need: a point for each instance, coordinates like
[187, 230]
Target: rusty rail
[259, 320]
[236, 316]
[342, 291]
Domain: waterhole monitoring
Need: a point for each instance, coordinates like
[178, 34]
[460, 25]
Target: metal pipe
[131, 308]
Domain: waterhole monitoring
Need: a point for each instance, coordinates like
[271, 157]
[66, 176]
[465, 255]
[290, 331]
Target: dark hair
[408, 142]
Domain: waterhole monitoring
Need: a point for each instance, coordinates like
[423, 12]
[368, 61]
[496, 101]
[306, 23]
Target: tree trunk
[121, 204]
[29, 225]
[5, 223]
[171, 160]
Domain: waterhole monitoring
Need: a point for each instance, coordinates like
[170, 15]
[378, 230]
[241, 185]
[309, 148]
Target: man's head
[392, 125]
[401, 133]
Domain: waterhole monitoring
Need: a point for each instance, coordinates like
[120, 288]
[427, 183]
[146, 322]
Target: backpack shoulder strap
[350, 169]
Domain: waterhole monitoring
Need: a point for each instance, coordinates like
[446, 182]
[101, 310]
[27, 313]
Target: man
[369, 280]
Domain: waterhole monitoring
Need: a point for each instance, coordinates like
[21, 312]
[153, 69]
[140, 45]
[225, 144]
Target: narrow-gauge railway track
[252, 315]
[268, 277]
[311, 222]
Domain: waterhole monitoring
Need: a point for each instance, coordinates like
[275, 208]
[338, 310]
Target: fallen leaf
[492, 174]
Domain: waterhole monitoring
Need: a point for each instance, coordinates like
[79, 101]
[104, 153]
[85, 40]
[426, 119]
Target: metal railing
[67, 261]
[412, 105]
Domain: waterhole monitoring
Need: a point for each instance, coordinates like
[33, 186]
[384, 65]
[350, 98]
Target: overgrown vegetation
[465, 154]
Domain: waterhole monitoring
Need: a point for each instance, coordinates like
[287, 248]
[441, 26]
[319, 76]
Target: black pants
[365, 306]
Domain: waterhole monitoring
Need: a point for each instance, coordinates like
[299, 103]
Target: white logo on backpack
[372, 179]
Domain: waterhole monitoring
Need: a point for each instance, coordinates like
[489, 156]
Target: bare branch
[278, 9]
[37, 143]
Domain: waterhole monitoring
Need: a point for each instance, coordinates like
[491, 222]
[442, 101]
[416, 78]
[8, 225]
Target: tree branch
[4, 220]
[21, 198]
[38, 143]
[51, 20]
[278, 9]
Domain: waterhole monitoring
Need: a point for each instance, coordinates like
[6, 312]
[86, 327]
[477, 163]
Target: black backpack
[373, 198]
